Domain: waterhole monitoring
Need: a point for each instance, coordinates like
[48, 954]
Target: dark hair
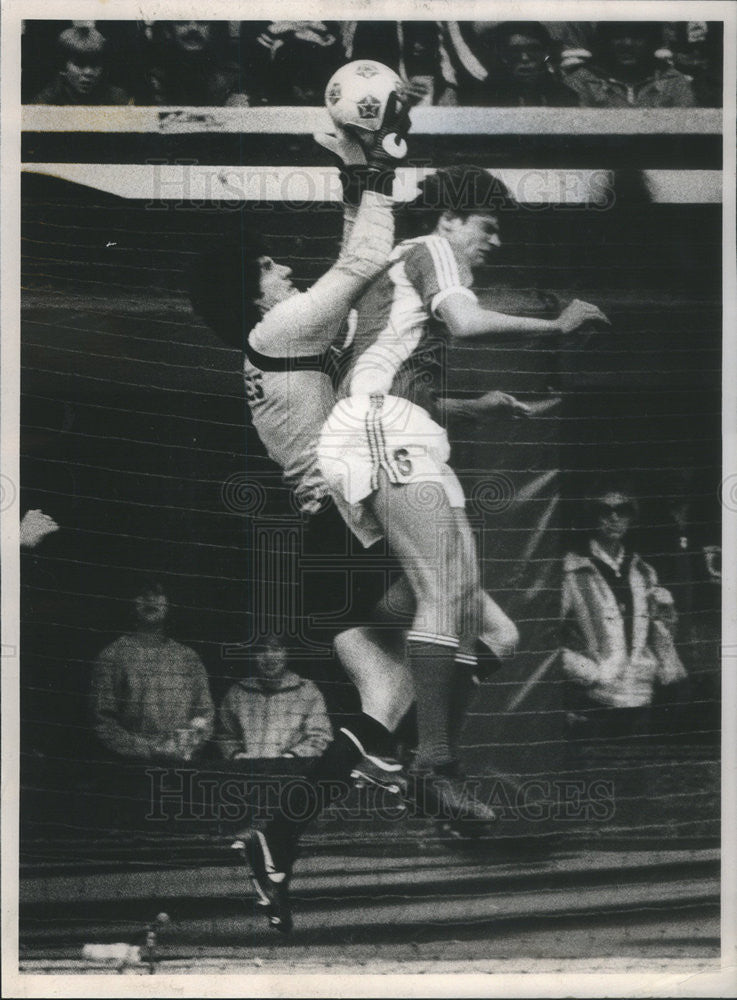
[651, 31]
[461, 190]
[299, 63]
[610, 483]
[223, 282]
[533, 29]
[74, 43]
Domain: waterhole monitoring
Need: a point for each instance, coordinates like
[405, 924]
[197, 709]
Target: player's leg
[426, 548]
[374, 661]
[488, 634]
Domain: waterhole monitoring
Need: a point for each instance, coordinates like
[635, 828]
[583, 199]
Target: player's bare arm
[466, 318]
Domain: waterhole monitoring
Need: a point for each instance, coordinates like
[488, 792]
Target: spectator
[625, 71]
[618, 625]
[150, 695]
[524, 75]
[696, 51]
[192, 66]
[82, 77]
[275, 713]
[290, 62]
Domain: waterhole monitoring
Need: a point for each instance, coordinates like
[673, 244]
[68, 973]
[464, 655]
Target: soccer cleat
[443, 794]
[272, 886]
[380, 772]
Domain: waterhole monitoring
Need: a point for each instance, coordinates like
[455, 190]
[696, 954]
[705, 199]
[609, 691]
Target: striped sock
[432, 661]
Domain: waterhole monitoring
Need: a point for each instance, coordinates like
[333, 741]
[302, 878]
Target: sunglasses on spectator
[622, 509]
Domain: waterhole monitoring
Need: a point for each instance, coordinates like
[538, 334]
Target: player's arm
[493, 403]
[466, 318]
[443, 282]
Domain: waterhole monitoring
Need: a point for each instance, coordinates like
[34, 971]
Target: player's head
[82, 55]
[233, 282]
[465, 204]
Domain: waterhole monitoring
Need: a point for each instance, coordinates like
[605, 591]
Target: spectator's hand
[713, 560]
[167, 748]
[419, 91]
[495, 401]
[34, 527]
[578, 314]
[661, 606]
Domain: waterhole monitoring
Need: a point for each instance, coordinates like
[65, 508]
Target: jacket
[259, 722]
[663, 88]
[595, 651]
[143, 693]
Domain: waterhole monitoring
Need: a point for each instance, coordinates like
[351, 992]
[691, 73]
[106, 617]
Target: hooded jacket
[596, 653]
[263, 722]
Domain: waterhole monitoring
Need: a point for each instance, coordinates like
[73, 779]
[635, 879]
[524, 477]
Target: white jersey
[289, 391]
[289, 407]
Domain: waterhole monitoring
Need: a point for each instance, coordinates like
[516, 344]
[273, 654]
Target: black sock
[464, 688]
[330, 781]
[431, 659]
[375, 738]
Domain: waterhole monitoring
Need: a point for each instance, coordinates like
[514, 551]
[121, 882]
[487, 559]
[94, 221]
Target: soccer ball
[356, 95]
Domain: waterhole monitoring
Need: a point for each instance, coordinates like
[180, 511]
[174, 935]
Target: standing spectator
[276, 713]
[618, 625]
[150, 694]
[524, 68]
[82, 76]
[290, 62]
[192, 65]
[626, 72]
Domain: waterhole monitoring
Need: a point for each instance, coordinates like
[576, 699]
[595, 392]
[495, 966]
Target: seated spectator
[618, 624]
[524, 75]
[82, 76]
[150, 694]
[275, 713]
[626, 72]
[192, 66]
[290, 62]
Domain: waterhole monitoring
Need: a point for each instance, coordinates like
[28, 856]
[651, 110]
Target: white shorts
[366, 433]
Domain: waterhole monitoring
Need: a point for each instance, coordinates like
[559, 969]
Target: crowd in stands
[608, 64]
